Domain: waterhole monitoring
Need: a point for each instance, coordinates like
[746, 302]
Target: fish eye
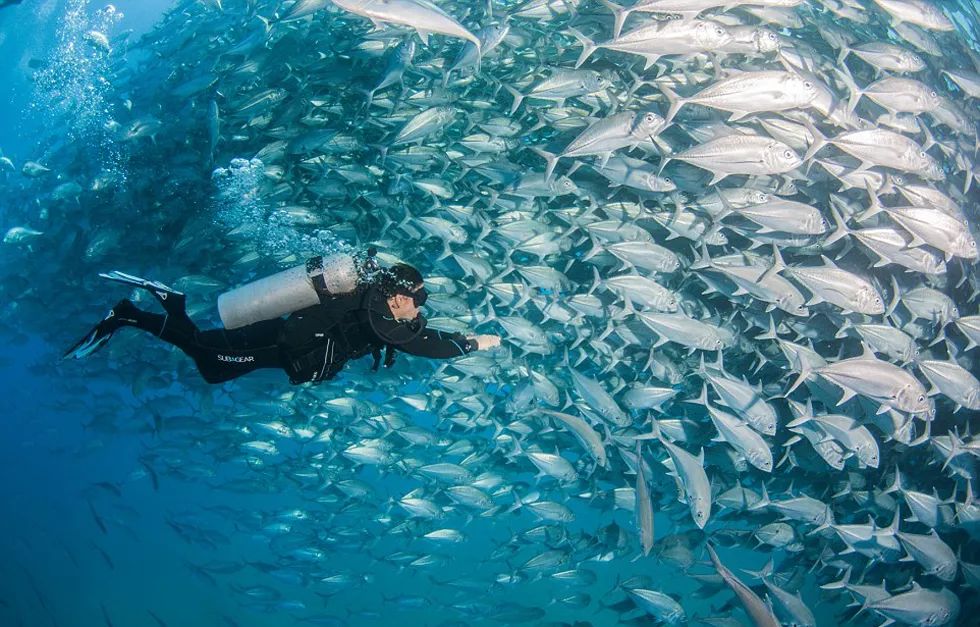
[719, 32]
[921, 398]
[668, 181]
[922, 153]
[933, 93]
[807, 84]
[788, 154]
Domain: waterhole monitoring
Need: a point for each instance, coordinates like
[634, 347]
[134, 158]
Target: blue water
[75, 452]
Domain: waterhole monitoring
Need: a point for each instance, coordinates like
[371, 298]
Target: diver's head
[402, 286]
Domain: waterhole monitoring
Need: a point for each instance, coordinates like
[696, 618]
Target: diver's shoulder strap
[314, 270]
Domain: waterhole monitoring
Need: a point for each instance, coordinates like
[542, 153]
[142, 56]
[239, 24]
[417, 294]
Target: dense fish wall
[730, 247]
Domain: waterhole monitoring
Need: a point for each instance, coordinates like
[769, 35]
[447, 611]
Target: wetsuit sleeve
[438, 344]
[423, 342]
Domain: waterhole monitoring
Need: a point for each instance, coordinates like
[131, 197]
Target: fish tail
[842, 229]
[619, 15]
[703, 260]
[588, 46]
[676, 102]
[551, 160]
[819, 140]
[896, 485]
[654, 434]
[765, 573]
[855, 92]
[763, 501]
[803, 376]
[778, 265]
[896, 298]
[518, 503]
[702, 399]
[518, 98]
[843, 582]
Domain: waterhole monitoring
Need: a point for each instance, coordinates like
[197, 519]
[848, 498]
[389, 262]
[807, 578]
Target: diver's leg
[221, 354]
[176, 329]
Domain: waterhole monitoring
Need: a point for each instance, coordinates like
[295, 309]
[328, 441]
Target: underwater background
[178, 141]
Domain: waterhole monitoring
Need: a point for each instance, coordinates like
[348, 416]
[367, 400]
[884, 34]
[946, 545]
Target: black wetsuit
[312, 344]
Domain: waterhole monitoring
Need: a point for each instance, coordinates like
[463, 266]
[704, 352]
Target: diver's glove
[483, 342]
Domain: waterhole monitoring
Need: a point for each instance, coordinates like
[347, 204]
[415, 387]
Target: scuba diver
[313, 343]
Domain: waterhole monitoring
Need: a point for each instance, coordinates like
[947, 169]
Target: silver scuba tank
[320, 278]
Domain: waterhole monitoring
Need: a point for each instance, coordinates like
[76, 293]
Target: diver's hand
[483, 342]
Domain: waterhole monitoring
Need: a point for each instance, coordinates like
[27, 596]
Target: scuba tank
[318, 280]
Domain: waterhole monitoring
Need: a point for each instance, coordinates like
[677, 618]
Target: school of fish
[731, 248]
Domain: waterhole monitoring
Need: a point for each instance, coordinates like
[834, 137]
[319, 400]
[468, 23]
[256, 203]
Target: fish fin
[703, 260]
[588, 46]
[703, 398]
[876, 206]
[841, 231]
[805, 373]
[676, 102]
[855, 92]
[896, 298]
[777, 265]
[517, 96]
[770, 334]
[717, 177]
[619, 16]
[763, 501]
[843, 582]
[551, 160]
[650, 60]
[846, 395]
[819, 140]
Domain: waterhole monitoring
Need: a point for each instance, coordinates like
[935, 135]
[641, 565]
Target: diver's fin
[159, 290]
[129, 279]
[98, 336]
